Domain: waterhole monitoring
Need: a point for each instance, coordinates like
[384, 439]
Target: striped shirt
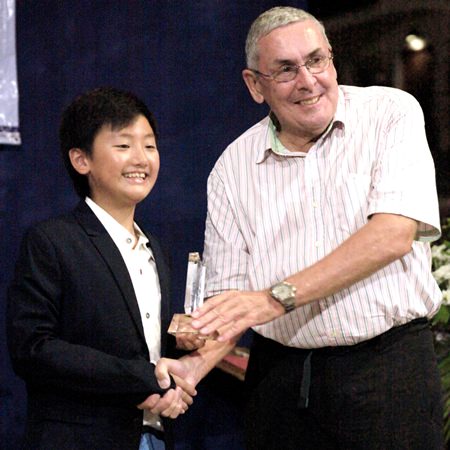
[271, 215]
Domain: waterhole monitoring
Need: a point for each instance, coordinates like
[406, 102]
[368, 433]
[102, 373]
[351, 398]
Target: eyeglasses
[288, 72]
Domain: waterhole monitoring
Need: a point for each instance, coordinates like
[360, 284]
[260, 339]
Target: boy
[90, 294]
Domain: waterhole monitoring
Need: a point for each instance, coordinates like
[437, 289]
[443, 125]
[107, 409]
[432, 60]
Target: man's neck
[296, 143]
[299, 143]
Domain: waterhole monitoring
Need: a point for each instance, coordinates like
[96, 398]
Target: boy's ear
[79, 160]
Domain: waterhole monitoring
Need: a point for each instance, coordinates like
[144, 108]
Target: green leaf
[442, 316]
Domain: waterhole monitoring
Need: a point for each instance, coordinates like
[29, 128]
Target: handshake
[211, 330]
[187, 372]
[177, 400]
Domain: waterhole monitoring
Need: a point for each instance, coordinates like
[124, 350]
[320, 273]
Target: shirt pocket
[348, 202]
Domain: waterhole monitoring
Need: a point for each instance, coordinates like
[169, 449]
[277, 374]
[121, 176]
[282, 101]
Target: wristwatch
[284, 293]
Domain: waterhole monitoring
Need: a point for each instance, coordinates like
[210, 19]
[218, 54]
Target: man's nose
[304, 78]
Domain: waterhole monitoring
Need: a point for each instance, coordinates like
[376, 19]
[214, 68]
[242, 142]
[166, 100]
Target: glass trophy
[195, 292]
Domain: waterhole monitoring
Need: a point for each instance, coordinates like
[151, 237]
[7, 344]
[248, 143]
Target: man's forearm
[383, 240]
[203, 360]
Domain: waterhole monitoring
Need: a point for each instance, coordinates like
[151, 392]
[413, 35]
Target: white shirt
[144, 277]
[271, 215]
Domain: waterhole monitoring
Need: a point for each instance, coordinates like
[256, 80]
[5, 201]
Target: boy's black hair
[87, 114]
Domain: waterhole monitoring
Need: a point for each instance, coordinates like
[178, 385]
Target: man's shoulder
[250, 140]
[383, 94]
[256, 129]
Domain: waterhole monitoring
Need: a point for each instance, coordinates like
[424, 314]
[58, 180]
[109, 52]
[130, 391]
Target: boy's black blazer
[75, 336]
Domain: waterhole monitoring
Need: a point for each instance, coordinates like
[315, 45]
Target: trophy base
[181, 324]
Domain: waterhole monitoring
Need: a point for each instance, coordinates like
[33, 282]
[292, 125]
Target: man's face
[306, 105]
[123, 166]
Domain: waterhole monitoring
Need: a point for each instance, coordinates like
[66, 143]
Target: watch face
[283, 291]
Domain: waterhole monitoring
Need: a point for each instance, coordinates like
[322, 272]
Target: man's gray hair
[268, 21]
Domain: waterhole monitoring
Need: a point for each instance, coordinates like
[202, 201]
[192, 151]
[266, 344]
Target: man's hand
[181, 370]
[233, 312]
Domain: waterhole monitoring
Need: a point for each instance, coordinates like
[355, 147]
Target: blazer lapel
[112, 257]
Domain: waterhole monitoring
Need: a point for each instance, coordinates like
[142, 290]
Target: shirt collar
[339, 116]
[119, 234]
[265, 146]
[277, 146]
[274, 145]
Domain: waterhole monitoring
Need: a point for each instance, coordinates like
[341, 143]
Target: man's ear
[79, 160]
[252, 82]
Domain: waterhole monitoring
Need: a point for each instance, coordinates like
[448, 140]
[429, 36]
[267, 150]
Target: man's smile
[309, 101]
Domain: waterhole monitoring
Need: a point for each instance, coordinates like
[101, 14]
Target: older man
[317, 233]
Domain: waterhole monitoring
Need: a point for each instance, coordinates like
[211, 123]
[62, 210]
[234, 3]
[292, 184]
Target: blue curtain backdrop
[184, 59]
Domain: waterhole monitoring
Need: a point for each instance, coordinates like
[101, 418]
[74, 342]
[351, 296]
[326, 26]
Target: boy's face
[123, 166]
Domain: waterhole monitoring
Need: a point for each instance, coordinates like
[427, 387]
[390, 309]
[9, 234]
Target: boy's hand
[175, 401]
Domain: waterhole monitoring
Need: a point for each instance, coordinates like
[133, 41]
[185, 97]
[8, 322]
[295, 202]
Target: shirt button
[317, 244]
[129, 240]
[315, 204]
[147, 315]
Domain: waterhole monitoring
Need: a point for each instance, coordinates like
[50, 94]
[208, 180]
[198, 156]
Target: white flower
[442, 274]
[440, 254]
[446, 297]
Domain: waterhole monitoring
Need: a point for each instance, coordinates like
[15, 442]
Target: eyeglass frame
[297, 67]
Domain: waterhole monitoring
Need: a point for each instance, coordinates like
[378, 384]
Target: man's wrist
[284, 294]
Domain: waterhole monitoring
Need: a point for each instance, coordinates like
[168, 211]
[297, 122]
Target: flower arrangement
[441, 322]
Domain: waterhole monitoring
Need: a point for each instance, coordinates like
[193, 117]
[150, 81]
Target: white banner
[9, 93]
